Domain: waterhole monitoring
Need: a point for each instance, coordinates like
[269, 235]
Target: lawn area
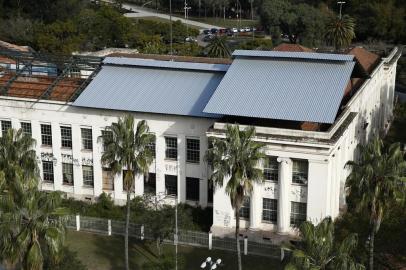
[101, 252]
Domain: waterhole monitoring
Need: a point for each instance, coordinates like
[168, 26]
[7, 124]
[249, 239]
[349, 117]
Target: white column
[76, 155]
[139, 185]
[118, 187]
[160, 165]
[97, 166]
[256, 207]
[181, 168]
[204, 177]
[56, 150]
[285, 180]
[318, 195]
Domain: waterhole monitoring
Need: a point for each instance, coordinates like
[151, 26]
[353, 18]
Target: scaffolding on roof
[45, 76]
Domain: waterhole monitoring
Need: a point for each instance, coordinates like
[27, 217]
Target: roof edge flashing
[293, 55]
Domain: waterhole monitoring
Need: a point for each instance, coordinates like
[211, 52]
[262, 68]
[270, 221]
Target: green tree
[218, 48]
[128, 149]
[234, 161]
[31, 227]
[340, 31]
[377, 180]
[318, 249]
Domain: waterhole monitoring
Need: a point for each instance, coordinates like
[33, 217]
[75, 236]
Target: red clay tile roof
[286, 47]
[367, 59]
[175, 58]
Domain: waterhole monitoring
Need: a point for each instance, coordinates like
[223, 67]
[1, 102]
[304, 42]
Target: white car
[241, 30]
[234, 30]
[247, 29]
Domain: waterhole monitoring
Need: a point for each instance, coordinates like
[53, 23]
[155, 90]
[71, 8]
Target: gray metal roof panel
[294, 55]
[293, 90]
[164, 64]
[167, 91]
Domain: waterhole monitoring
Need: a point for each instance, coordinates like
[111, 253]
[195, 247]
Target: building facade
[183, 105]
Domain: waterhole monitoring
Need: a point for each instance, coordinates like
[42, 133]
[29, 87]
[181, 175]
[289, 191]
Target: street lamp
[341, 3]
[209, 264]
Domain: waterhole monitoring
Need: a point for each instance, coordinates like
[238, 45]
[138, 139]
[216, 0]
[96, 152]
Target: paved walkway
[140, 13]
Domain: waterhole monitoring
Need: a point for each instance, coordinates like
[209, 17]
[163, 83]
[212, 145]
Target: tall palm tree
[31, 227]
[377, 180]
[340, 31]
[218, 48]
[317, 249]
[17, 151]
[126, 148]
[236, 158]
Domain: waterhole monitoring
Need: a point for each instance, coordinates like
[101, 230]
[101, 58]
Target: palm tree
[218, 48]
[376, 183]
[236, 157]
[128, 149]
[340, 31]
[30, 227]
[318, 250]
[17, 151]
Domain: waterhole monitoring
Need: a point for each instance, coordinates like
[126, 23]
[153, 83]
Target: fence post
[282, 254]
[109, 227]
[142, 232]
[77, 223]
[210, 240]
[245, 245]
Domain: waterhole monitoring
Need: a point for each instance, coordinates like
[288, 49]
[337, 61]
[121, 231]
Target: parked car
[207, 38]
[253, 29]
[206, 31]
[222, 31]
[214, 30]
[247, 29]
[190, 39]
[234, 30]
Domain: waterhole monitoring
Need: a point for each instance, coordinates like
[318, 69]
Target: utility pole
[170, 29]
[186, 18]
[341, 3]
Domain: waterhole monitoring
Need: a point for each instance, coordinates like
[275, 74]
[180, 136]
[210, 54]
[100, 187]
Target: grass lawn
[101, 252]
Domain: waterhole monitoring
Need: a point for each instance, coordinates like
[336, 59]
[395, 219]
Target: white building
[310, 109]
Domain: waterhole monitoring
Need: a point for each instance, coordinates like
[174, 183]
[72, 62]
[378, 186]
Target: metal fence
[185, 237]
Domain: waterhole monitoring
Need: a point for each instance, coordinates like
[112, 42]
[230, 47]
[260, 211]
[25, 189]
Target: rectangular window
[210, 191]
[152, 147]
[48, 171]
[245, 208]
[150, 183]
[129, 184]
[106, 134]
[192, 189]
[300, 170]
[271, 169]
[26, 127]
[297, 213]
[46, 135]
[67, 173]
[66, 137]
[87, 138]
[171, 151]
[192, 150]
[108, 179]
[171, 185]
[269, 210]
[5, 125]
[88, 178]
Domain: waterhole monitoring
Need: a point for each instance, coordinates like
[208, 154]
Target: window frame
[103, 132]
[171, 152]
[5, 126]
[191, 194]
[150, 186]
[296, 217]
[152, 147]
[46, 138]
[49, 171]
[193, 153]
[24, 129]
[171, 188]
[104, 176]
[86, 140]
[90, 176]
[66, 139]
[270, 172]
[64, 167]
[272, 212]
[300, 177]
[245, 208]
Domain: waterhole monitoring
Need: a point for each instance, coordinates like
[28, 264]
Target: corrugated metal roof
[274, 88]
[164, 64]
[293, 55]
[154, 90]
